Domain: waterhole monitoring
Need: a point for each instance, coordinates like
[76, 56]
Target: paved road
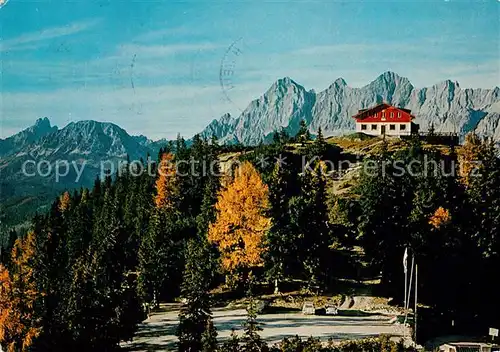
[158, 332]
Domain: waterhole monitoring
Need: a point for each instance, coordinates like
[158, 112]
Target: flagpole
[416, 301]
[406, 288]
[405, 268]
[405, 265]
[409, 292]
[411, 282]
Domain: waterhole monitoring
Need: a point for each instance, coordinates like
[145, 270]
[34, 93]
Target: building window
[402, 127]
[374, 127]
[392, 115]
[392, 127]
[383, 114]
[363, 127]
[399, 115]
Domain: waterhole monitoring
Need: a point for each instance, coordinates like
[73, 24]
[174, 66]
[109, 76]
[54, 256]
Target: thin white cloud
[20, 42]
[165, 50]
[165, 33]
[156, 64]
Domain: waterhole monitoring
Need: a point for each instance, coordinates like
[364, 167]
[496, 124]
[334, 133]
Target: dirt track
[158, 332]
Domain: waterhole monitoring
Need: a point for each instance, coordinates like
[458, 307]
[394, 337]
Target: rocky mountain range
[446, 105]
[20, 140]
[83, 149]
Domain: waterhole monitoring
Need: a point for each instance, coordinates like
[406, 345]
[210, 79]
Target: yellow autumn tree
[17, 298]
[166, 182]
[440, 217]
[469, 157]
[64, 200]
[241, 223]
[10, 319]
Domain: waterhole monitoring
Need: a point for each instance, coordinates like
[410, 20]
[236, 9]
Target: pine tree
[484, 193]
[153, 261]
[385, 208]
[309, 219]
[233, 344]
[209, 338]
[252, 342]
[6, 250]
[50, 269]
[107, 272]
[161, 249]
[195, 315]
[318, 148]
[284, 137]
[303, 135]
[280, 243]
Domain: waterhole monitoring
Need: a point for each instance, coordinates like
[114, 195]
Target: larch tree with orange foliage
[241, 222]
[17, 298]
[64, 202]
[470, 157]
[166, 183]
[440, 218]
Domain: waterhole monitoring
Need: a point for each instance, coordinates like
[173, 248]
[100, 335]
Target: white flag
[405, 260]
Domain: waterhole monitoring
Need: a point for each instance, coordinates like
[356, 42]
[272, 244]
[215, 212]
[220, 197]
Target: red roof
[384, 113]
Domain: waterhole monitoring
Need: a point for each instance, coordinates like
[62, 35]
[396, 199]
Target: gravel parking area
[158, 332]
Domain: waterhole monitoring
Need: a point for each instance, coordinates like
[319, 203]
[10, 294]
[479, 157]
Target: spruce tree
[209, 337]
[318, 148]
[195, 328]
[50, 264]
[303, 135]
[233, 344]
[160, 252]
[385, 207]
[484, 193]
[252, 342]
[309, 221]
[280, 242]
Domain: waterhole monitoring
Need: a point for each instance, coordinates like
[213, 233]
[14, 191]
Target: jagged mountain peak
[340, 82]
[389, 79]
[286, 102]
[42, 122]
[447, 84]
[286, 81]
[82, 124]
[41, 127]
[20, 140]
[91, 138]
[226, 118]
[284, 85]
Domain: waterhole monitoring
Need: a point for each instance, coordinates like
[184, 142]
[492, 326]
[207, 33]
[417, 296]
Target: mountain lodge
[385, 119]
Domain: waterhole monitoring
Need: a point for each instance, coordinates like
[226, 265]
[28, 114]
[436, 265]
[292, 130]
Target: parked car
[308, 308]
[331, 310]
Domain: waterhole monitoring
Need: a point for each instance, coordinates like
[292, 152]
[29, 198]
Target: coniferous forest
[89, 270]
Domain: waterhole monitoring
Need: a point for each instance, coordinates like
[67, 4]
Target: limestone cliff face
[445, 105]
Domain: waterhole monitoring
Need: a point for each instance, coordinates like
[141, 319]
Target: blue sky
[153, 67]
